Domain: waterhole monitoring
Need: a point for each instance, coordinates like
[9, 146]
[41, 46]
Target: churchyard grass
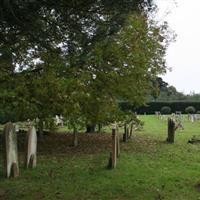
[148, 169]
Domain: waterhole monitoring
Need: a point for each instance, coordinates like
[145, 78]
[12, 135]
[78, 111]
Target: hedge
[152, 107]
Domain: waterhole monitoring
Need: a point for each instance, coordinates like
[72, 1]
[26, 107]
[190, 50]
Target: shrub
[165, 110]
[190, 110]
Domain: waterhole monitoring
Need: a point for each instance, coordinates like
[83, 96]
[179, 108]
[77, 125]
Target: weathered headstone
[171, 130]
[16, 128]
[11, 165]
[31, 148]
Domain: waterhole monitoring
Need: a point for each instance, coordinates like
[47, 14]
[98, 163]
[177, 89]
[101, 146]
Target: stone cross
[31, 148]
[11, 165]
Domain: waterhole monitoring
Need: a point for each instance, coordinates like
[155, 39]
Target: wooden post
[171, 130]
[125, 133]
[131, 131]
[118, 145]
[114, 148]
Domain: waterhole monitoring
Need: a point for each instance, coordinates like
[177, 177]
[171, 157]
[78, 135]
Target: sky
[183, 55]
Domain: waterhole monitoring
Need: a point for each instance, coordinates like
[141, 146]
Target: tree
[79, 59]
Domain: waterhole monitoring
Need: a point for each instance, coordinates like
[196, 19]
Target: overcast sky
[183, 56]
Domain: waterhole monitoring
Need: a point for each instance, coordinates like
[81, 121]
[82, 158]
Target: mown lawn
[148, 168]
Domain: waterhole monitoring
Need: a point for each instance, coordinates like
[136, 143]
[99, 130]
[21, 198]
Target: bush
[165, 110]
[151, 107]
[190, 110]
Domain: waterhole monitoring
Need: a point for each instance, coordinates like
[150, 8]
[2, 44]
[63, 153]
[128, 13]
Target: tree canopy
[78, 58]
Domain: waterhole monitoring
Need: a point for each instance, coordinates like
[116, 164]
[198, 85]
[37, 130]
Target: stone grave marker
[171, 130]
[31, 148]
[11, 165]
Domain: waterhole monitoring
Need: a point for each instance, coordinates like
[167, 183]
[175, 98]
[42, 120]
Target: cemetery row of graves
[127, 141]
[10, 149]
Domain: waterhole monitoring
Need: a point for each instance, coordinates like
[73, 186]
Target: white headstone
[10, 151]
[31, 149]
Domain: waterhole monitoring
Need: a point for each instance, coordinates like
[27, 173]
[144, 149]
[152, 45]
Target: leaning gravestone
[31, 148]
[10, 151]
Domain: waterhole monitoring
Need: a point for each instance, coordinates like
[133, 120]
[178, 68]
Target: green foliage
[165, 110]
[190, 110]
[152, 107]
[89, 57]
[162, 91]
[50, 124]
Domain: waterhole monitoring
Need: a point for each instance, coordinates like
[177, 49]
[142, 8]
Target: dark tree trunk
[99, 128]
[114, 148]
[109, 166]
[40, 129]
[118, 145]
[131, 131]
[75, 138]
[171, 131]
[125, 133]
[90, 128]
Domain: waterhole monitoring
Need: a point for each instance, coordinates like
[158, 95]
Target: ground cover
[148, 168]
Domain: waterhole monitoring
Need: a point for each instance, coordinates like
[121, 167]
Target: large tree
[78, 58]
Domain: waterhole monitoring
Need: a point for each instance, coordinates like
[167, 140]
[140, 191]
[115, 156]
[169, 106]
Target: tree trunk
[118, 145]
[114, 148]
[75, 138]
[131, 131]
[40, 128]
[90, 128]
[171, 131]
[99, 128]
[125, 133]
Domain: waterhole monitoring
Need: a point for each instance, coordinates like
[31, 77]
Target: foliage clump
[190, 110]
[165, 110]
[88, 59]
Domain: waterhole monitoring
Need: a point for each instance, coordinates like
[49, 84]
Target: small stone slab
[11, 165]
[31, 148]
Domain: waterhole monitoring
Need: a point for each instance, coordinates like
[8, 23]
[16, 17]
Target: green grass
[148, 169]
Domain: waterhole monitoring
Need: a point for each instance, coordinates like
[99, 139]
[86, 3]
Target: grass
[148, 169]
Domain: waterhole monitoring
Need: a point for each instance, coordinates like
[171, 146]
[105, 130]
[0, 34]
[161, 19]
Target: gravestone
[171, 130]
[192, 118]
[31, 148]
[11, 165]
[16, 128]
